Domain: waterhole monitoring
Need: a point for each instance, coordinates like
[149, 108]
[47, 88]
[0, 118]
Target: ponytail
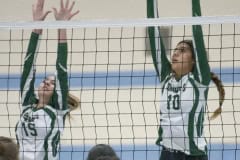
[221, 91]
[73, 102]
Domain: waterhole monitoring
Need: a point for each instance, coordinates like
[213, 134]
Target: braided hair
[221, 92]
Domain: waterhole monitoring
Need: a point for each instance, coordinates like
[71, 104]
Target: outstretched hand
[38, 13]
[65, 11]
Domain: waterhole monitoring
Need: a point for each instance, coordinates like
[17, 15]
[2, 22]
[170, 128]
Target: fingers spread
[73, 3]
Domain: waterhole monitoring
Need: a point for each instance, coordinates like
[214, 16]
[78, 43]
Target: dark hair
[221, 92]
[214, 78]
[73, 102]
[190, 44]
[101, 150]
[8, 149]
[107, 158]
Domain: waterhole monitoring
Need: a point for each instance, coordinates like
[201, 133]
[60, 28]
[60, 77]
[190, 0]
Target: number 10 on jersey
[174, 101]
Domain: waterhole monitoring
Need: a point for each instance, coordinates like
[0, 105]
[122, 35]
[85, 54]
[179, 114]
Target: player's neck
[178, 76]
[42, 103]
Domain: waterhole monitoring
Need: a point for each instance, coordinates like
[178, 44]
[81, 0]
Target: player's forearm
[62, 35]
[37, 31]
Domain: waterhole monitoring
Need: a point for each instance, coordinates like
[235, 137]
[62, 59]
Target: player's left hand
[65, 11]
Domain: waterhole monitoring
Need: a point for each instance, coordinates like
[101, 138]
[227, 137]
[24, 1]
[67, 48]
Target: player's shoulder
[195, 83]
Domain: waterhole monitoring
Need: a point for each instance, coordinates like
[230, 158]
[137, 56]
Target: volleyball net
[111, 71]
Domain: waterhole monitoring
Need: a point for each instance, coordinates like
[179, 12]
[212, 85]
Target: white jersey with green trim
[38, 130]
[183, 101]
[182, 113]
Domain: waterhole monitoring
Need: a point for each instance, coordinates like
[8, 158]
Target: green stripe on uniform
[200, 123]
[160, 132]
[53, 118]
[193, 148]
[55, 143]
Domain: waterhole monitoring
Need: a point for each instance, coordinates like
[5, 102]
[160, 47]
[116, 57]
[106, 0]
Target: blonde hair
[73, 102]
[221, 92]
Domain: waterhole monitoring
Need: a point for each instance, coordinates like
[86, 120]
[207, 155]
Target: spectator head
[102, 151]
[8, 149]
[107, 158]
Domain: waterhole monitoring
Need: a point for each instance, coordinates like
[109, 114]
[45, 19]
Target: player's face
[182, 59]
[46, 88]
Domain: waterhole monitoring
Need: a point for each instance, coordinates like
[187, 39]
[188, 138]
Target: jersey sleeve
[28, 74]
[160, 60]
[61, 87]
[201, 69]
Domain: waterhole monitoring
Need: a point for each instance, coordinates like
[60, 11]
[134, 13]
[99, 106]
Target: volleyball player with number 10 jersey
[184, 91]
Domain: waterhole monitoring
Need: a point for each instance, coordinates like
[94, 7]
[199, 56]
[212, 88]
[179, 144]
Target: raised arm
[28, 74]
[160, 60]
[61, 88]
[202, 69]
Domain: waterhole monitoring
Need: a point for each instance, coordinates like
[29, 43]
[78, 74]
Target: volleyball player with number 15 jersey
[42, 119]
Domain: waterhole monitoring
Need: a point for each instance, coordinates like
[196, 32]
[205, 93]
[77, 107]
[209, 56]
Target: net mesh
[110, 69]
